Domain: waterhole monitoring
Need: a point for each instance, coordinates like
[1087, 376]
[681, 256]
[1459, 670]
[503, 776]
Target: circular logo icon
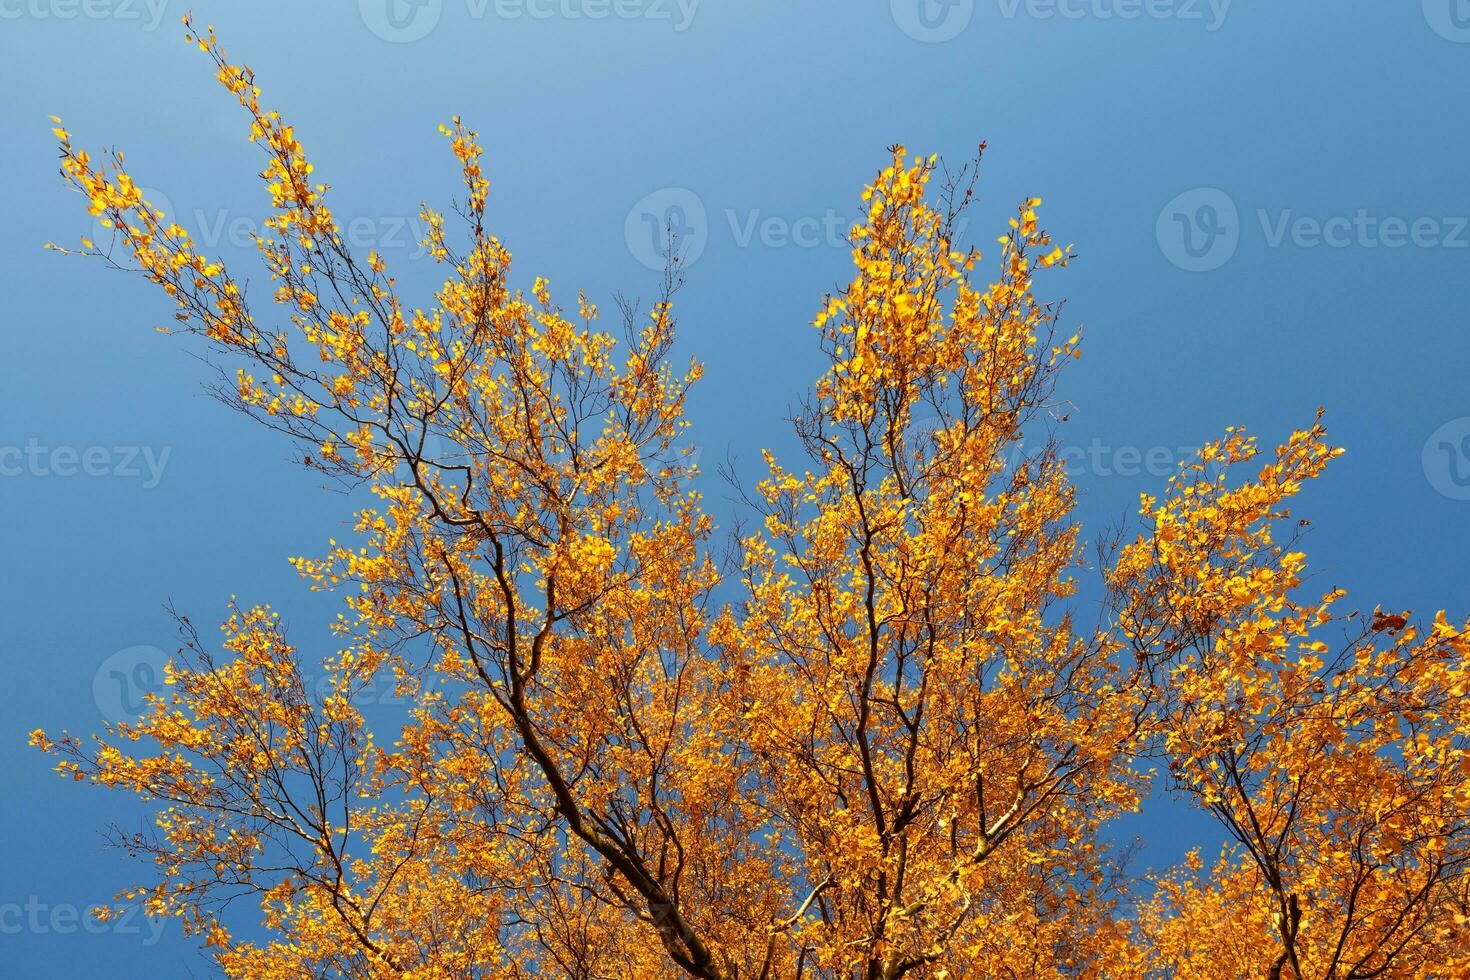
[684, 458]
[400, 21]
[122, 684]
[1446, 459]
[932, 21]
[923, 433]
[1450, 19]
[108, 238]
[667, 226]
[1199, 230]
[437, 452]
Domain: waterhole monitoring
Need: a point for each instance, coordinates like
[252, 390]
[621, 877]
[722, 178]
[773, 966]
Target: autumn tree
[896, 751]
[1330, 747]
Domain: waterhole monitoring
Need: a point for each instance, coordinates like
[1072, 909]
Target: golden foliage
[895, 752]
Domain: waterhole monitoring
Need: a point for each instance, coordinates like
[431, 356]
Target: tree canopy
[884, 735]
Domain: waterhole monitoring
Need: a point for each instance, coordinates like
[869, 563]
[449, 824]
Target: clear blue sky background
[1187, 151]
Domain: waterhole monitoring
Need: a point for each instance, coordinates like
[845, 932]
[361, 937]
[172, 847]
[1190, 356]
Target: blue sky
[1269, 202]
